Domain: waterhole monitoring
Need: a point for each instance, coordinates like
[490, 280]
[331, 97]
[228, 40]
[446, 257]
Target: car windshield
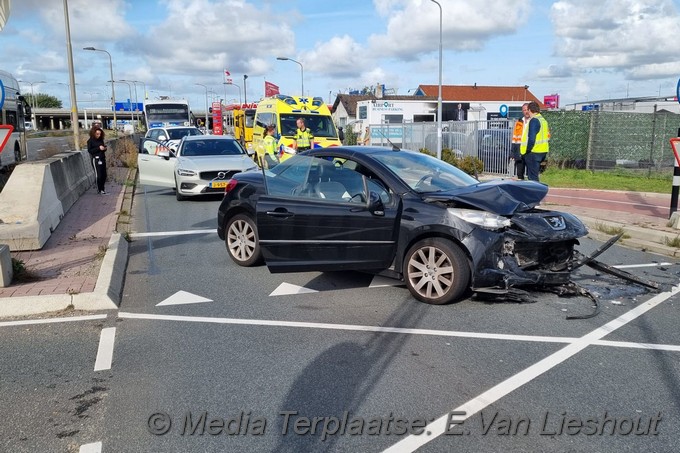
[424, 173]
[211, 147]
[177, 134]
[319, 125]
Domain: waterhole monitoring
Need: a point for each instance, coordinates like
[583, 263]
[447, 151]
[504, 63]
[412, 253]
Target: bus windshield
[167, 113]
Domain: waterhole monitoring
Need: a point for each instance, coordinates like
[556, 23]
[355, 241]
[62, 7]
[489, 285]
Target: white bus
[167, 112]
[13, 111]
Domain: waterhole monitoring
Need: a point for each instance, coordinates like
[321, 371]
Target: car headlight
[185, 172]
[484, 219]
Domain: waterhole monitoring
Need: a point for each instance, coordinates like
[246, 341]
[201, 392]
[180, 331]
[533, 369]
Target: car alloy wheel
[242, 241]
[436, 271]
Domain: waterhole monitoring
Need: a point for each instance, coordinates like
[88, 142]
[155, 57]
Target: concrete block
[37, 196]
[6, 271]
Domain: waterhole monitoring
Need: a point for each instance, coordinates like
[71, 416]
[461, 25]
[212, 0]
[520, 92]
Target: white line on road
[632, 266]
[105, 350]
[628, 344]
[28, 322]
[95, 447]
[485, 399]
[609, 201]
[351, 327]
[170, 233]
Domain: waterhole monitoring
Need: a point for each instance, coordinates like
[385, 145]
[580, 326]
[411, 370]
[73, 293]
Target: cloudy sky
[579, 49]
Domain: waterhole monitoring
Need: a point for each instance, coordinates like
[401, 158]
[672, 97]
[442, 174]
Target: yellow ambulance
[283, 111]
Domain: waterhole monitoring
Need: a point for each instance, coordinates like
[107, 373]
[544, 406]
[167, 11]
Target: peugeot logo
[556, 222]
[221, 175]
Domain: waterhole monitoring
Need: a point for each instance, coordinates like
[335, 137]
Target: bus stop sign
[5, 132]
[2, 94]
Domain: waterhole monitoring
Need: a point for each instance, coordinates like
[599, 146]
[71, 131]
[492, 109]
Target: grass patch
[101, 252]
[610, 230]
[606, 180]
[675, 242]
[21, 274]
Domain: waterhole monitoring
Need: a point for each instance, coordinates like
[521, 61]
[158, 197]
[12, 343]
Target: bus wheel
[17, 153]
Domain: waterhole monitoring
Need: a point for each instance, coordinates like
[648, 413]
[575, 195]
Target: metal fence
[593, 140]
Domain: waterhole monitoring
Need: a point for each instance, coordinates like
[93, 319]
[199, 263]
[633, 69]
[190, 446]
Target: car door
[309, 221]
[156, 164]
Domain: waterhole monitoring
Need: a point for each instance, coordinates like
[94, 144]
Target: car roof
[208, 137]
[173, 127]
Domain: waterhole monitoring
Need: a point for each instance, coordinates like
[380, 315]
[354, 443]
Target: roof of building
[450, 93]
[479, 93]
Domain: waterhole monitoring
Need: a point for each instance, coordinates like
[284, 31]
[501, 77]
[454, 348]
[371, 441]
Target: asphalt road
[240, 359]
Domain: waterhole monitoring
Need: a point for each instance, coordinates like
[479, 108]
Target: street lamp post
[34, 104]
[135, 82]
[439, 97]
[239, 89]
[72, 80]
[245, 93]
[132, 114]
[113, 89]
[206, 105]
[302, 72]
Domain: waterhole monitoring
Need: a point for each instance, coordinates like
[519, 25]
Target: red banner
[270, 89]
[217, 118]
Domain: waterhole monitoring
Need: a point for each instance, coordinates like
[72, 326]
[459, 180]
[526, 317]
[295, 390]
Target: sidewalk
[69, 266]
[81, 265]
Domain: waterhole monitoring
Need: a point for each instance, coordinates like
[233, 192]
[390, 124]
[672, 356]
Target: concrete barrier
[37, 196]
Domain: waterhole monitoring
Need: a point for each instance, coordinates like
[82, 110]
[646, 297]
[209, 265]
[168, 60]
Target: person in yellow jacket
[303, 137]
[267, 152]
[515, 154]
[535, 137]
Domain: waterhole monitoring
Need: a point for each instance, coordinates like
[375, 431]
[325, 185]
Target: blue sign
[129, 106]
[2, 94]
[503, 110]
[677, 93]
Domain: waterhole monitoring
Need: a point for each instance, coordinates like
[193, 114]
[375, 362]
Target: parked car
[203, 164]
[400, 213]
[172, 134]
[493, 148]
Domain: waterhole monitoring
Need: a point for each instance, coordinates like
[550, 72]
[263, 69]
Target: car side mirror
[375, 204]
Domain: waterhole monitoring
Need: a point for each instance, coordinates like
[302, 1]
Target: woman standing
[97, 149]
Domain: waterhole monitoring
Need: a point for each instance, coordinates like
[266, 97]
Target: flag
[270, 89]
[227, 73]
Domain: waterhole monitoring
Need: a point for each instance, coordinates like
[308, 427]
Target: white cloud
[341, 56]
[631, 36]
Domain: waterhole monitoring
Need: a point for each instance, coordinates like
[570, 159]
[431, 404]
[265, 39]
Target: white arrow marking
[381, 282]
[285, 289]
[183, 297]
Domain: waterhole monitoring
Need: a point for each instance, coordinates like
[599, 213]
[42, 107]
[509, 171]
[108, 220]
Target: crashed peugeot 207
[398, 213]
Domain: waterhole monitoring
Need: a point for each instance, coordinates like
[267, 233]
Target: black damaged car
[398, 213]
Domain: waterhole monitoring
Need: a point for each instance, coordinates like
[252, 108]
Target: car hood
[207, 163]
[500, 196]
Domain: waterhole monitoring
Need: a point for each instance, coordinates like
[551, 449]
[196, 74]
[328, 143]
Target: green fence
[608, 140]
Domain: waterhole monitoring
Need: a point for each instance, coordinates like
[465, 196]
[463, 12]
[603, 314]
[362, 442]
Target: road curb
[636, 238]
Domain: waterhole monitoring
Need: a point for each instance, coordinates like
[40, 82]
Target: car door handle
[280, 214]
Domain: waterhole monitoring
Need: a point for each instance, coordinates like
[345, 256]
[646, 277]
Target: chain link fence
[591, 140]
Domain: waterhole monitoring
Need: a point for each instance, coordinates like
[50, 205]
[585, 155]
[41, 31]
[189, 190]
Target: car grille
[210, 175]
[546, 256]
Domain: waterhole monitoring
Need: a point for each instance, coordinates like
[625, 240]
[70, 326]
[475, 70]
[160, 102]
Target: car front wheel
[242, 241]
[436, 271]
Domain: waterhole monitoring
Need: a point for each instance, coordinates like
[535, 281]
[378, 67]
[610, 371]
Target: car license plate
[219, 184]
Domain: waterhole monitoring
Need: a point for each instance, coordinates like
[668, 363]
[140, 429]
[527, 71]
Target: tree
[43, 100]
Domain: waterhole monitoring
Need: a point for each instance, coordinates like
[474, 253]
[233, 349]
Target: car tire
[242, 241]
[17, 154]
[178, 195]
[436, 271]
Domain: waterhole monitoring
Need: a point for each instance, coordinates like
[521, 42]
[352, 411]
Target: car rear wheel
[436, 271]
[242, 241]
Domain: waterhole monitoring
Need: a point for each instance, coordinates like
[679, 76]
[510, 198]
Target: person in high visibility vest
[515, 154]
[303, 137]
[268, 157]
[535, 138]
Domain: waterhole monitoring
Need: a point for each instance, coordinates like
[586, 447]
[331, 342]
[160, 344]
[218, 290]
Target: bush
[123, 153]
[469, 164]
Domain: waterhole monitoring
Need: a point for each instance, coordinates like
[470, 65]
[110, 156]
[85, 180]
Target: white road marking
[285, 289]
[349, 327]
[105, 350]
[485, 399]
[629, 344]
[608, 201]
[28, 322]
[632, 266]
[382, 282]
[183, 297]
[171, 233]
[95, 447]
